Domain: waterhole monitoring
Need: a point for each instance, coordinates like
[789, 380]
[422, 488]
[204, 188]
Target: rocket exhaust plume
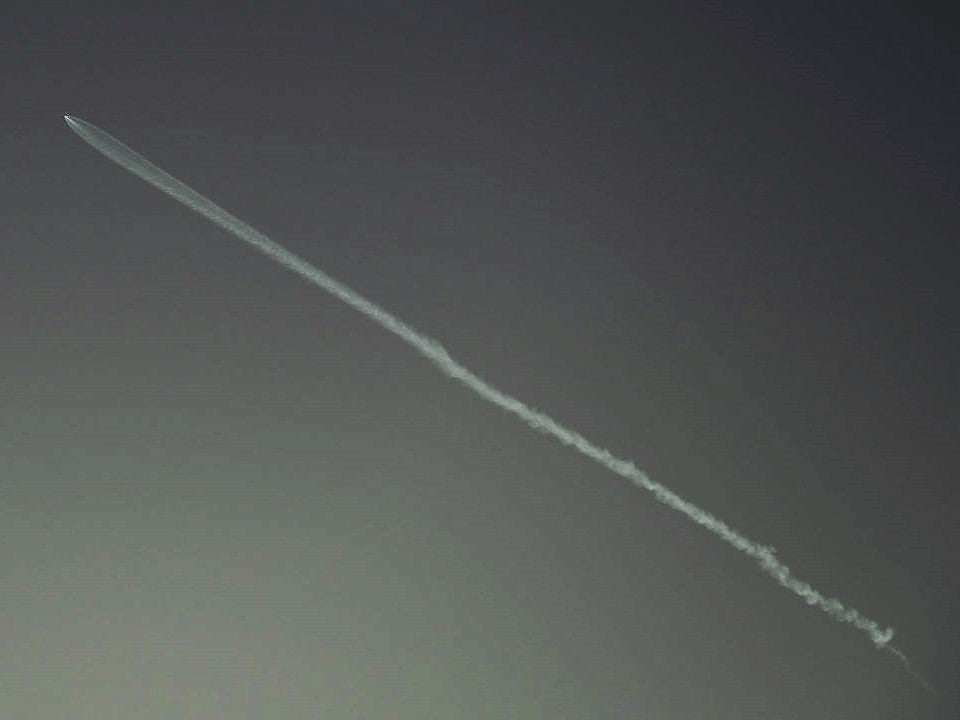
[434, 351]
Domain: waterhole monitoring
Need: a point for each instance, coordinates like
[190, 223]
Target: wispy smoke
[434, 351]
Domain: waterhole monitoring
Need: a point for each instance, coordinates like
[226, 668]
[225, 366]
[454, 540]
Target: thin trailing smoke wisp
[435, 352]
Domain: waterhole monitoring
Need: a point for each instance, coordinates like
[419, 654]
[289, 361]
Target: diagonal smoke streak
[434, 351]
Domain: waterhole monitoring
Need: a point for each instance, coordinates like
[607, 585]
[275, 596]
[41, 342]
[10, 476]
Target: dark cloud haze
[717, 240]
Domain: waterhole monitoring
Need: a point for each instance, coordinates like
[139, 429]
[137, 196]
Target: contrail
[434, 351]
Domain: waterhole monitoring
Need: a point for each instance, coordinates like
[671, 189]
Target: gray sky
[718, 241]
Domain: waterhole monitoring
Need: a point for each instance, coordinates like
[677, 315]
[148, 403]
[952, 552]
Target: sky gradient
[718, 241]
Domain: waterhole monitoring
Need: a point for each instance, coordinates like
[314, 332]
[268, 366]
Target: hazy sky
[717, 240]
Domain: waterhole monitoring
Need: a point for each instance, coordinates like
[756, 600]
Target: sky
[715, 239]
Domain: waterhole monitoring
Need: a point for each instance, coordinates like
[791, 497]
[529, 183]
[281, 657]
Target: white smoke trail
[434, 351]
